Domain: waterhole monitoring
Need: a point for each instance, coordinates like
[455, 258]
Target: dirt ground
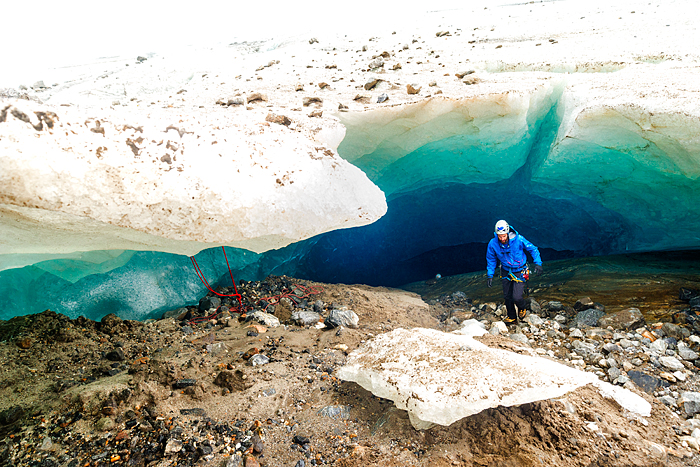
[91, 388]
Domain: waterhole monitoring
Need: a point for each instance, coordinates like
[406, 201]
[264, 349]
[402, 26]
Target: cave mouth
[599, 184]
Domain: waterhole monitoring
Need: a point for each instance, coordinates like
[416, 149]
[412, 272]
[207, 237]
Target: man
[509, 248]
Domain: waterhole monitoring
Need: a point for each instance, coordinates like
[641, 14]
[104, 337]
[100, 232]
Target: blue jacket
[511, 255]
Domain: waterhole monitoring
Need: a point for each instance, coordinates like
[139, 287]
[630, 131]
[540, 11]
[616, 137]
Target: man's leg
[508, 297]
[518, 288]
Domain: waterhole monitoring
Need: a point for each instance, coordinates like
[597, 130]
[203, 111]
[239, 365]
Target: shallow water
[648, 281]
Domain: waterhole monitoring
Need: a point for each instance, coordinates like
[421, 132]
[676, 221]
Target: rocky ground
[225, 384]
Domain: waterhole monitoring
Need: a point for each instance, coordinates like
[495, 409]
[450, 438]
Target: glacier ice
[131, 284]
[577, 173]
[440, 378]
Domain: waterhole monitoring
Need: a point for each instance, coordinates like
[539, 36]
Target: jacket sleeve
[532, 249]
[490, 260]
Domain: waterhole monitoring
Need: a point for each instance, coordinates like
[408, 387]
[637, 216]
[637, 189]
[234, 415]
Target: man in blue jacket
[509, 247]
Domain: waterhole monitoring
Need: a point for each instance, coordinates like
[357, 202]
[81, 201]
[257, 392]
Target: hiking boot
[509, 320]
[522, 313]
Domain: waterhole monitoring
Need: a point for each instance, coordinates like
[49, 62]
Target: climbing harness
[512, 277]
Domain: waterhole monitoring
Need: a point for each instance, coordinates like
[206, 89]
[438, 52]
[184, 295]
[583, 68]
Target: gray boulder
[306, 318]
[630, 318]
[587, 318]
[690, 402]
[345, 318]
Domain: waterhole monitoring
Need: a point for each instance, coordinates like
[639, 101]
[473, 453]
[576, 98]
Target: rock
[576, 334]
[645, 382]
[667, 376]
[413, 88]
[256, 97]
[690, 402]
[300, 440]
[499, 327]
[442, 33]
[345, 318]
[306, 318]
[173, 446]
[323, 85]
[628, 319]
[668, 400]
[659, 346]
[336, 412]
[534, 320]
[382, 98]
[686, 353]
[208, 303]
[116, 355]
[671, 363]
[583, 304]
[216, 349]
[612, 348]
[233, 381]
[235, 460]
[175, 314]
[316, 113]
[587, 317]
[672, 330]
[376, 63]
[462, 74]
[105, 424]
[265, 318]
[371, 83]
[279, 119]
[397, 66]
[184, 383]
[307, 101]
[24, 343]
[38, 85]
[46, 445]
[258, 359]
[251, 461]
[613, 373]
[11, 415]
[519, 337]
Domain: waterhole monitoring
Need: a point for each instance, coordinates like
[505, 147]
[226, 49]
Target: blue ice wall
[144, 286]
[608, 182]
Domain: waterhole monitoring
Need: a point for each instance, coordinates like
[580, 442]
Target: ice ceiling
[576, 181]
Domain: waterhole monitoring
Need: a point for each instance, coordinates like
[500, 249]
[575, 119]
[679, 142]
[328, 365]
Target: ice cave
[576, 181]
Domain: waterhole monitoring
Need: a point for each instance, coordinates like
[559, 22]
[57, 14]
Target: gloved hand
[538, 269]
[489, 281]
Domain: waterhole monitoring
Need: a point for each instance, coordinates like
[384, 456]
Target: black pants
[513, 295]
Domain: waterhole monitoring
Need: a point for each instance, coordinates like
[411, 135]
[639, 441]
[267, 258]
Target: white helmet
[502, 227]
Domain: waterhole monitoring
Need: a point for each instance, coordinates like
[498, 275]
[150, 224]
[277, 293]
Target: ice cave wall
[576, 173]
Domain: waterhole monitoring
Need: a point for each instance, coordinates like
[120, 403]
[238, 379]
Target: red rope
[311, 290]
[200, 274]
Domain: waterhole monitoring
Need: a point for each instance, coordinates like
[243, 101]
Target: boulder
[587, 317]
[690, 402]
[306, 318]
[345, 318]
[630, 318]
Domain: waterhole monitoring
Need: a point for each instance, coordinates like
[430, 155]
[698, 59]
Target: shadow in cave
[445, 230]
